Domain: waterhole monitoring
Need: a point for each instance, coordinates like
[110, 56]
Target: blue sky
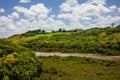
[18, 16]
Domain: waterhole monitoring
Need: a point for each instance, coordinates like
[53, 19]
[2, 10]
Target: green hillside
[76, 68]
[17, 62]
[96, 40]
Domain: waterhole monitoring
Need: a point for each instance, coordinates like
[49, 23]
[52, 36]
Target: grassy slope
[18, 39]
[97, 40]
[73, 68]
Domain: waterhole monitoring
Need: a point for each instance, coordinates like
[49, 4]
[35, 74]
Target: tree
[53, 31]
[60, 30]
[64, 30]
[43, 31]
[39, 31]
[113, 24]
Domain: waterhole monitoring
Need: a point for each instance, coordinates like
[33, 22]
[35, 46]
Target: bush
[17, 63]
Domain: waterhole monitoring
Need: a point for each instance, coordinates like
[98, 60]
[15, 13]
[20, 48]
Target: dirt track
[78, 55]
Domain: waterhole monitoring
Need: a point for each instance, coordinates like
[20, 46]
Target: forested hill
[105, 41]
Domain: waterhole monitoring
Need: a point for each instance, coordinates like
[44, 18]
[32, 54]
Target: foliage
[17, 63]
[105, 41]
[32, 33]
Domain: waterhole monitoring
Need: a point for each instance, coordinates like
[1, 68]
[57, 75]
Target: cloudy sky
[18, 16]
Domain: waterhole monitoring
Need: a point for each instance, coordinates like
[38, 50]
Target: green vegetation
[33, 32]
[105, 41]
[17, 63]
[74, 68]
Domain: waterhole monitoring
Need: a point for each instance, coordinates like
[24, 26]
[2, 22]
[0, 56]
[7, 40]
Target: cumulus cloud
[113, 7]
[6, 23]
[36, 17]
[35, 10]
[97, 1]
[14, 15]
[67, 6]
[24, 1]
[92, 12]
[118, 10]
[2, 10]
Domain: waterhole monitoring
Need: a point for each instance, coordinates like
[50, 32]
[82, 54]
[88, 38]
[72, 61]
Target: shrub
[17, 63]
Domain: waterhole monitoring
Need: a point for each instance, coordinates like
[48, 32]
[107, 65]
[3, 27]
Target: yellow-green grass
[17, 38]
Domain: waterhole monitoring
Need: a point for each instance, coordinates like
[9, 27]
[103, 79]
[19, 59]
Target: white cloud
[67, 6]
[27, 13]
[78, 11]
[91, 13]
[35, 10]
[97, 1]
[2, 10]
[113, 7]
[4, 20]
[39, 8]
[24, 1]
[118, 10]
[23, 25]
[14, 15]
[86, 18]
[6, 23]
[107, 20]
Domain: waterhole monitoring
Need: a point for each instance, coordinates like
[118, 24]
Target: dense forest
[17, 62]
[105, 41]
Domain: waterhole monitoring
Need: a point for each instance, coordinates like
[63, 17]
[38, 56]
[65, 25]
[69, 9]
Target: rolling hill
[18, 62]
[104, 41]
